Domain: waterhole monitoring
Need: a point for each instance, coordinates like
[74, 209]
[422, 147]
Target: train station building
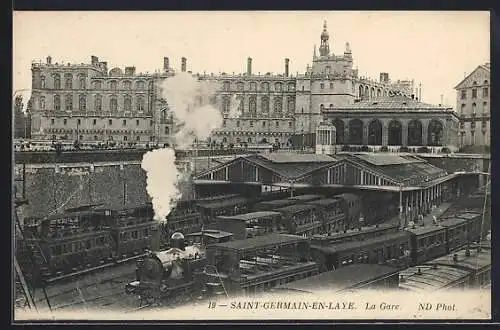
[415, 183]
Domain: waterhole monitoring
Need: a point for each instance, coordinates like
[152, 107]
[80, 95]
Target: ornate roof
[389, 103]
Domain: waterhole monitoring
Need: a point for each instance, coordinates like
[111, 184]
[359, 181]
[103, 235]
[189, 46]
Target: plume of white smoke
[162, 178]
[194, 118]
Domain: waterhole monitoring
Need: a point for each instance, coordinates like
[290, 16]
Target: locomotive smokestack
[177, 241]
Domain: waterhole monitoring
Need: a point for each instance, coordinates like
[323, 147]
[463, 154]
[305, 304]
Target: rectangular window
[137, 122]
[464, 94]
[65, 121]
[124, 122]
[474, 93]
[485, 92]
[94, 122]
[52, 121]
[110, 122]
[78, 122]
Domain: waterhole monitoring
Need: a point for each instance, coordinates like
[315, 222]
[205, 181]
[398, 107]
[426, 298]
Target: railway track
[101, 289]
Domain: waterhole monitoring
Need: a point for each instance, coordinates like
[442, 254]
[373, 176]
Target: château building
[473, 107]
[86, 102]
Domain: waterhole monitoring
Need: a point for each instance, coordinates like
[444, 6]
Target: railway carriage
[331, 213]
[252, 224]
[427, 243]
[301, 219]
[390, 249]
[210, 208]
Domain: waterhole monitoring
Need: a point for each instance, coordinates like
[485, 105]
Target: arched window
[241, 104]
[485, 107]
[42, 82]
[291, 104]
[82, 81]
[140, 85]
[291, 87]
[278, 87]
[163, 117]
[42, 102]
[113, 103]
[57, 81]
[252, 106]
[167, 131]
[321, 107]
[125, 138]
[265, 87]
[97, 85]
[68, 101]
[98, 103]
[253, 86]
[127, 103]
[127, 85]
[57, 102]
[474, 108]
[226, 104]
[82, 103]
[241, 86]
[113, 85]
[68, 81]
[140, 103]
[265, 105]
[278, 106]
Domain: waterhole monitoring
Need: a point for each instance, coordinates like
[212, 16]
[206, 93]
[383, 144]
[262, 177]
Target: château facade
[86, 102]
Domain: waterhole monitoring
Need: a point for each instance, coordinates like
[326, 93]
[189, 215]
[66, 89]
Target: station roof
[408, 170]
[341, 279]
[400, 168]
[251, 216]
[260, 242]
[291, 165]
[390, 103]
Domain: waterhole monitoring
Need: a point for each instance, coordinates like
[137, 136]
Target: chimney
[249, 66]
[104, 66]
[49, 60]
[287, 62]
[130, 70]
[166, 64]
[94, 60]
[183, 64]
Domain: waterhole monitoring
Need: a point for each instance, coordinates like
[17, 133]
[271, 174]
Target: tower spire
[324, 48]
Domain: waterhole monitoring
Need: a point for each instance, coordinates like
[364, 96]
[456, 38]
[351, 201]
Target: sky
[436, 49]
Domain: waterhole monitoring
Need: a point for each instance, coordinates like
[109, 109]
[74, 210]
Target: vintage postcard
[251, 165]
